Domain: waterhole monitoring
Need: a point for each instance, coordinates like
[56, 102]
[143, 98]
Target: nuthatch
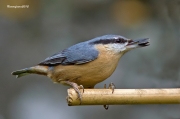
[85, 64]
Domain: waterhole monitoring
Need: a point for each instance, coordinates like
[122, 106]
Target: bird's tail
[31, 70]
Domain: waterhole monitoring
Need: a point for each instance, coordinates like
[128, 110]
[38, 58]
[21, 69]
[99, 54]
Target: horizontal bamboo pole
[124, 96]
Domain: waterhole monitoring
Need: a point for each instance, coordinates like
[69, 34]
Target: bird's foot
[76, 88]
[111, 86]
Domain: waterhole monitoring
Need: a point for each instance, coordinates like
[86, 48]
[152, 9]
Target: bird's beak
[138, 43]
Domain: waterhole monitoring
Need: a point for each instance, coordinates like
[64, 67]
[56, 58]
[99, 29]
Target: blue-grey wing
[78, 54]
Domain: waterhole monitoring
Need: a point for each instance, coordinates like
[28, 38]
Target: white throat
[116, 48]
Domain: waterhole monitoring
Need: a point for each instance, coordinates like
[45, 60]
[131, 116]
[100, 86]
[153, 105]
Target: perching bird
[85, 64]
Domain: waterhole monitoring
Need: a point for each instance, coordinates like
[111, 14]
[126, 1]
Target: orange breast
[88, 74]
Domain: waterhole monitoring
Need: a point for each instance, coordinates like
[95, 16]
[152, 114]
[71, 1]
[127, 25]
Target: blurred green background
[29, 35]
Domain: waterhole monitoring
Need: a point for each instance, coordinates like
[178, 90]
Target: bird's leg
[76, 88]
[111, 86]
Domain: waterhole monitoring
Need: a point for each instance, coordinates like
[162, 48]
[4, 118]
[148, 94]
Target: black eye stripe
[121, 40]
[107, 41]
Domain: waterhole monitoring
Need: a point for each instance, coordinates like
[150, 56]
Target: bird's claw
[112, 86]
[81, 87]
[106, 107]
[79, 93]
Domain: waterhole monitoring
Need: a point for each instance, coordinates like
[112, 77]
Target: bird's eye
[120, 40]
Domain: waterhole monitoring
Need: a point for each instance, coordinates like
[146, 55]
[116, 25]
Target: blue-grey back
[79, 53]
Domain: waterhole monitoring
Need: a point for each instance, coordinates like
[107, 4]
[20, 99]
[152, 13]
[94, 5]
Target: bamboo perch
[124, 96]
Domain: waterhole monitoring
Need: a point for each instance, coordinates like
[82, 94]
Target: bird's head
[119, 44]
